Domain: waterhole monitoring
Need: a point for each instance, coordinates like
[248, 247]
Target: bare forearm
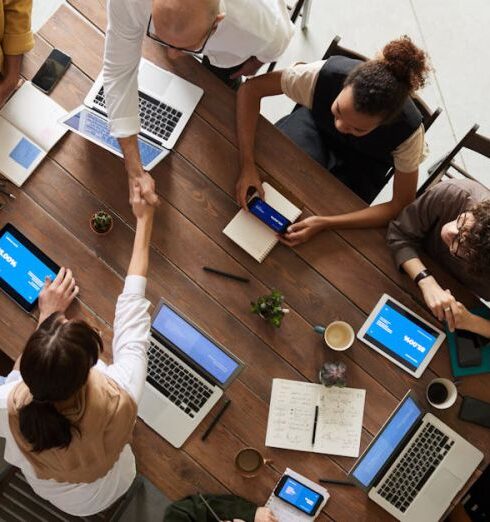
[141, 247]
[480, 326]
[131, 154]
[11, 68]
[371, 217]
[248, 109]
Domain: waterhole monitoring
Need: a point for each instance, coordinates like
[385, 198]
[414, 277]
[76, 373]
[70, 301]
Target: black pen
[314, 426]
[216, 419]
[226, 274]
[333, 481]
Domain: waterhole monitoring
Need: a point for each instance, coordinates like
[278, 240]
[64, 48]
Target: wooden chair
[334, 49]
[303, 7]
[19, 502]
[442, 168]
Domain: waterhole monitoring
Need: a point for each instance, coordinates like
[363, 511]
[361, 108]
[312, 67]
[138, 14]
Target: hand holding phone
[51, 71]
[298, 495]
[268, 215]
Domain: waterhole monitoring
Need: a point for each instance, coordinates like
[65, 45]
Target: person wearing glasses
[235, 36]
[451, 223]
[15, 39]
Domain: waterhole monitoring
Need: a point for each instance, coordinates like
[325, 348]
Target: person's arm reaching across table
[127, 21]
[132, 320]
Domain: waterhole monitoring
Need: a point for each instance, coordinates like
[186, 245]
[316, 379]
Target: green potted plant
[270, 308]
[333, 374]
[101, 222]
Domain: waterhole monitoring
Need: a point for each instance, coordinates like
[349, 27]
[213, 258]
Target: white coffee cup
[338, 336]
[450, 389]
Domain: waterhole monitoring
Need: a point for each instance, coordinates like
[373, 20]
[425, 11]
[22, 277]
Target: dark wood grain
[338, 275]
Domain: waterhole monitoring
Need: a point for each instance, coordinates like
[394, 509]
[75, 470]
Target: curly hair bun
[406, 62]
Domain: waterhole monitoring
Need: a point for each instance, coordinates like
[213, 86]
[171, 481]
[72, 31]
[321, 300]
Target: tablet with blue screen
[95, 128]
[401, 336]
[23, 267]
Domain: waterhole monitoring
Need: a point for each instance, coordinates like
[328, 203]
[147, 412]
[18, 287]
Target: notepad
[292, 414]
[255, 237]
[28, 130]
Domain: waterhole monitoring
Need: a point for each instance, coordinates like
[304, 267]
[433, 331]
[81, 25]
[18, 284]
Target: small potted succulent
[101, 222]
[333, 374]
[270, 308]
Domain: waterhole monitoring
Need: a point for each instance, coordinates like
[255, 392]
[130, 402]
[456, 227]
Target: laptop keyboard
[415, 468]
[176, 382]
[155, 116]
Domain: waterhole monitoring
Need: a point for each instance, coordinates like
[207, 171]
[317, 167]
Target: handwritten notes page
[292, 415]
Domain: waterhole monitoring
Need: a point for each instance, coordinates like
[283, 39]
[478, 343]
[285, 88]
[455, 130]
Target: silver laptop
[416, 464]
[166, 102]
[187, 374]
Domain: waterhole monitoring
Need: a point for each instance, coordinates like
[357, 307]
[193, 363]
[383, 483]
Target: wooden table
[337, 275]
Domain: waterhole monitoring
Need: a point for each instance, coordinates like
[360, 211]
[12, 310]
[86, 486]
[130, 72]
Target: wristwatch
[421, 275]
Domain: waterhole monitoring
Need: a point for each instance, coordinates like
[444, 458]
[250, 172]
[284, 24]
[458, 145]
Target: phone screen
[271, 217]
[298, 495]
[51, 71]
[468, 349]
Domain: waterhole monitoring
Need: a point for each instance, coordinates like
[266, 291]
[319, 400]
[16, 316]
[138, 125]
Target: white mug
[451, 393]
[338, 336]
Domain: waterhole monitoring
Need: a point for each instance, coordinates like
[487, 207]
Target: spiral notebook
[255, 237]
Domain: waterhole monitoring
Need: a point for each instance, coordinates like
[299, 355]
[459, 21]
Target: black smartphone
[298, 495]
[468, 349]
[268, 215]
[475, 410]
[51, 71]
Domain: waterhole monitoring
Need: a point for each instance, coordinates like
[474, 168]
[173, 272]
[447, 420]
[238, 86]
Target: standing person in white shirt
[66, 416]
[235, 36]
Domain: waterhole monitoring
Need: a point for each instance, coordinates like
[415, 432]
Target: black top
[378, 144]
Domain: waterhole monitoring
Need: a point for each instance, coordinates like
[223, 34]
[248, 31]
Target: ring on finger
[447, 309]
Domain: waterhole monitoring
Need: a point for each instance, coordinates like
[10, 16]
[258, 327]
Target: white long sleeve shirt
[129, 349]
[259, 28]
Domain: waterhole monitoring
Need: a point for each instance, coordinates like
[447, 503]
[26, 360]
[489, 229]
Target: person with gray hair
[235, 36]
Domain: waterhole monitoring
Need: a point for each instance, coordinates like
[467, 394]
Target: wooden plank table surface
[337, 275]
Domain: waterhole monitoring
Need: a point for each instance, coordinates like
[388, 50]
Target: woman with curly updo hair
[357, 119]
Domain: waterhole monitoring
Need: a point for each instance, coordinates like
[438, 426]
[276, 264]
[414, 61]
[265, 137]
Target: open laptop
[187, 374]
[166, 102]
[415, 465]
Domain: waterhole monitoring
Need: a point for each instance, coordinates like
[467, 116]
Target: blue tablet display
[401, 335]
[22, 268]
[95, 128]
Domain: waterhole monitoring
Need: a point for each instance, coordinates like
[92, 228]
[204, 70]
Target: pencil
[216, 419]
[333, 481]
[226, 274]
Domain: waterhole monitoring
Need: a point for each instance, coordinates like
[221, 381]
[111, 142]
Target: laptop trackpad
[443, 488]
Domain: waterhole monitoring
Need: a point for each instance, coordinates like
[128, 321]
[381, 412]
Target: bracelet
[421, 275]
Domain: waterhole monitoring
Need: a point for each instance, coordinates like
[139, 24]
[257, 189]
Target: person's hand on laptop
[57, 295]
[249, 179]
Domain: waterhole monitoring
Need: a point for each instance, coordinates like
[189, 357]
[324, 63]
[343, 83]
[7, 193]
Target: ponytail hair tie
[39, 401]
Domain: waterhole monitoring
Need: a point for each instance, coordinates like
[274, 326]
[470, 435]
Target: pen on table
[314, 426]
[334, 481]
[226, 274]
[216, 419]
[11, 196]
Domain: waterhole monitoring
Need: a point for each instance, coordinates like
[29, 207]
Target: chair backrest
[472, 141]
[334, 49]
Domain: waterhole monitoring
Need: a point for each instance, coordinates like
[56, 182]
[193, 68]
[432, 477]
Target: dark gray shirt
[418, 227]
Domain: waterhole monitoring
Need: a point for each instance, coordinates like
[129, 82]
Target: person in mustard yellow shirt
[15, 40]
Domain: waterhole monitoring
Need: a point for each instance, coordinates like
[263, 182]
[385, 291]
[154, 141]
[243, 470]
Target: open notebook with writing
[28, 130]
[255, 237]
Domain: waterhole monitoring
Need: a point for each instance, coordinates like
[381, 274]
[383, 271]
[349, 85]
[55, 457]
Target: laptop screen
[386, 442]
[194, 344]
